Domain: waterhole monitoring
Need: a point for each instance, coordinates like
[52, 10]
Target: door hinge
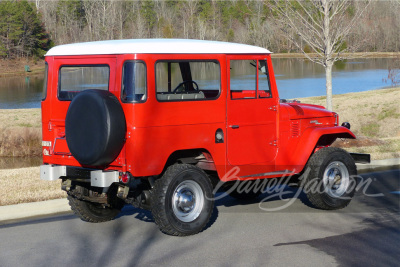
[274, 143]
[273, 108]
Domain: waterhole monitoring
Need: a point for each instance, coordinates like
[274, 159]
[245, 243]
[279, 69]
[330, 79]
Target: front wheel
[329, 181]
[182, 200]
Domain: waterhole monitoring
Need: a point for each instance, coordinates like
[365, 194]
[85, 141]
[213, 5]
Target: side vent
[295, 129]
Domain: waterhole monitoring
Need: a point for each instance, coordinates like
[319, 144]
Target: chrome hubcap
[187, 201]
[336, 179]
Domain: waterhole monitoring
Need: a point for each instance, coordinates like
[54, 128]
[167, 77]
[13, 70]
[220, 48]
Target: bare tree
[189, 9]
[322, 25]
[394, 72]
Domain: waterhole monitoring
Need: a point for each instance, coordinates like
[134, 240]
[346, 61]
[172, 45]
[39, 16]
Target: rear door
[251, 115]
[72, 75]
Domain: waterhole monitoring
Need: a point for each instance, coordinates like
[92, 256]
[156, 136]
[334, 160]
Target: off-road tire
[92, 212]
[321, 163]
[166, 189]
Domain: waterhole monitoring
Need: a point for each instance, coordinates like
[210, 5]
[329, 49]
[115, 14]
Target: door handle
[234, 126]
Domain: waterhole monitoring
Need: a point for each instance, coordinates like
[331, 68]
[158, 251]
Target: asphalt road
[274, 232]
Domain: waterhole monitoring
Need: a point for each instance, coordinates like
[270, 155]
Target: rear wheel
[182, 200]
[94, 212]
[330, 178]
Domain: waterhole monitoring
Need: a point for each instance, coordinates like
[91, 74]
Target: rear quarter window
[134, 88]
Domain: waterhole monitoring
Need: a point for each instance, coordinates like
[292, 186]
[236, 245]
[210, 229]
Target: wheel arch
[328, 139]
[317, 137]
[191, 156]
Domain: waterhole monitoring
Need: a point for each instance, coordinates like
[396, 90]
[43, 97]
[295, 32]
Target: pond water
[295, 78]
[301, 78]
[21, 92]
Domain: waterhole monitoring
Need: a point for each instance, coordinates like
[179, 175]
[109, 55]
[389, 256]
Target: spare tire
[95, 128]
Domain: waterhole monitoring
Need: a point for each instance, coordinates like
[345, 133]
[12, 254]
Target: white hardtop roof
[154, 46]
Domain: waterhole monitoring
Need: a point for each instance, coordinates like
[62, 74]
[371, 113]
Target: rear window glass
[74, 79]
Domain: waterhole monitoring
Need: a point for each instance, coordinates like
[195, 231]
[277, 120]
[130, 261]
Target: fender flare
[312, 137]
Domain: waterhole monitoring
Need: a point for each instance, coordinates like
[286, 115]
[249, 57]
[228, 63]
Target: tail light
[124, 178]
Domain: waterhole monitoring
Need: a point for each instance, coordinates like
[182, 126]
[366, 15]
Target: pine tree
[21, 30]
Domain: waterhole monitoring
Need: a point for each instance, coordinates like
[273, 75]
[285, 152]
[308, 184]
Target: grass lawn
[24, 185]
[375, 120]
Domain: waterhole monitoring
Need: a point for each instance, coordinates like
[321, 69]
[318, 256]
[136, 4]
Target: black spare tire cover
[95, 128]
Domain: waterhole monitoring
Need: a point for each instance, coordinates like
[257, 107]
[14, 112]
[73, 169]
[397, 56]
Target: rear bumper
[52, 172]
[97, 178]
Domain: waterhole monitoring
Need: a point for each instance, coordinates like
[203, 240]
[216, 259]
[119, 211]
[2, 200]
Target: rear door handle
[234, 126]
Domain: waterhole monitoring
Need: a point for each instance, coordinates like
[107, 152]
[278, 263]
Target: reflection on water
[17, 162]
[301, 78]
[295, 78]
[302, 68]
[21, 92]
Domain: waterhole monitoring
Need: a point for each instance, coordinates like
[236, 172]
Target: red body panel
[261, 136]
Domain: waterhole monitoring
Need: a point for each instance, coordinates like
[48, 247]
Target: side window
[264, 89]
[244, 75]
[44, 92]
[187, 80]
[243, 79]
[74, 79]
[134, 87]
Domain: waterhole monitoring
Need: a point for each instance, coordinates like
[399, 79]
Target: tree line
[29, 28]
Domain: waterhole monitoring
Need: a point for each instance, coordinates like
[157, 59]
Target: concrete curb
[379, 165]
[26, 210]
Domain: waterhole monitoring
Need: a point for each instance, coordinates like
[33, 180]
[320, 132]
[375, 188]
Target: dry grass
[24, 185]
[374, 117]
[25, 142]
[20, 132]
[20, 118]
[16, 67]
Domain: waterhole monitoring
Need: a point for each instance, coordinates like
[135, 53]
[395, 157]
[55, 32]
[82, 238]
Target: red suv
[160, 123]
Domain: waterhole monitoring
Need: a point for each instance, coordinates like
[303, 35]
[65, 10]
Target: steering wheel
[179, 88]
